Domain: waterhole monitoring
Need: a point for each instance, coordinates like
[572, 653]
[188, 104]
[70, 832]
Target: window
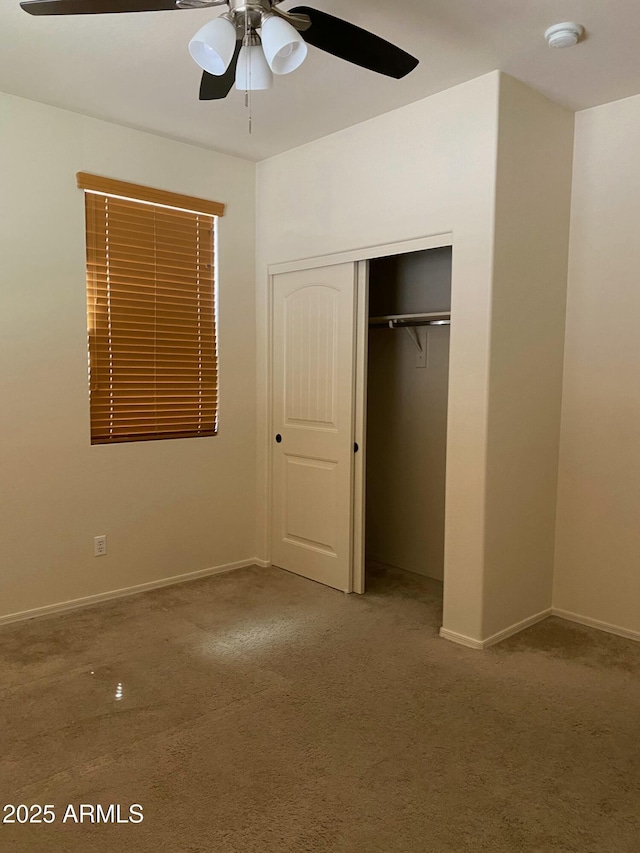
[151, 294]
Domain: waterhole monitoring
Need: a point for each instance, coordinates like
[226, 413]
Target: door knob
[278, 438]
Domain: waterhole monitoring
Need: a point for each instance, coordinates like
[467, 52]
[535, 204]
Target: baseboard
[62, 607]
[596, 623]
[460, 639]
[472, 643]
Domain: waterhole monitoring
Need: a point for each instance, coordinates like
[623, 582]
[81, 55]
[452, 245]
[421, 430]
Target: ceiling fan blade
[94, 7]
[346, 41]
[214, 88]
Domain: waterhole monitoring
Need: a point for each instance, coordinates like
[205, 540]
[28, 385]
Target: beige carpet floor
[257, 712]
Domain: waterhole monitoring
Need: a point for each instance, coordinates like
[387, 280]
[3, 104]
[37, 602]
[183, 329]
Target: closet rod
[402, 321]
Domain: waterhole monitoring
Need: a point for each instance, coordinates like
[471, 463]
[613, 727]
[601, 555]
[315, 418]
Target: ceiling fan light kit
[254, 40]
[213, 45]
[253, 73]
[284, 47]
[279, 49]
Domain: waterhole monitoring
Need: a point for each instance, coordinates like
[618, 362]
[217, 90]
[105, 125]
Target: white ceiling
[135, 69]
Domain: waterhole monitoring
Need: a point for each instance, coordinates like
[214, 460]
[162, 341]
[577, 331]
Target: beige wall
[490, 154]
[533, 195]
[167, 507]
[597, 571]
[425, 169]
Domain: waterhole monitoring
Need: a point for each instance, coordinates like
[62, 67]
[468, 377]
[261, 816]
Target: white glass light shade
[283, 46]
[213, 45]
[253, 73]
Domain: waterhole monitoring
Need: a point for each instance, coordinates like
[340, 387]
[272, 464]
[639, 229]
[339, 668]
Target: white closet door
[313, 432]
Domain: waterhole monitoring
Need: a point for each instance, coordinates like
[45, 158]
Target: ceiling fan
[230, 49]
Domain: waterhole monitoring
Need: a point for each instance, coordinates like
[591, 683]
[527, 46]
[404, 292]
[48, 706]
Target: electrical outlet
[99, 546]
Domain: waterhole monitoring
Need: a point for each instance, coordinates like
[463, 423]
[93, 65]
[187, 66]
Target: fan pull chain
[247, 94]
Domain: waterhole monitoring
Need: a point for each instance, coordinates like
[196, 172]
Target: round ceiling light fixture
[564, 35]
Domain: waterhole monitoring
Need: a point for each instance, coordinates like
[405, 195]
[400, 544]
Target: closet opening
[407, 379]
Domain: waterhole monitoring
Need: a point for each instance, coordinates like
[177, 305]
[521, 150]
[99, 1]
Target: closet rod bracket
[410, 330]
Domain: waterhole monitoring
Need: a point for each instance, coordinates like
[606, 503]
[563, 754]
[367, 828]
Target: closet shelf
[397, 321]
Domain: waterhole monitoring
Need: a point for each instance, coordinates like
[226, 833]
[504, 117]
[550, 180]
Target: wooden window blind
[153, 368]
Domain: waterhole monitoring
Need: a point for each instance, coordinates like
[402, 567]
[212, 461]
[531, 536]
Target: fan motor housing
[253, 10]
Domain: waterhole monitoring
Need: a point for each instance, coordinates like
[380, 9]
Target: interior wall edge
[530, 261]
[87, 601]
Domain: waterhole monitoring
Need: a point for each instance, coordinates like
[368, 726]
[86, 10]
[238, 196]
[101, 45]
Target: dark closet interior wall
[407, 415]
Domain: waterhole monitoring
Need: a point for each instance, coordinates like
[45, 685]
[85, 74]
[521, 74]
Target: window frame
[169, 349]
